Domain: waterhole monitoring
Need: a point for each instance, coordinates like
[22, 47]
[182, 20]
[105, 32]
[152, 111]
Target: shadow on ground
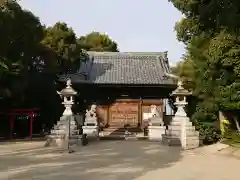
[108, 160]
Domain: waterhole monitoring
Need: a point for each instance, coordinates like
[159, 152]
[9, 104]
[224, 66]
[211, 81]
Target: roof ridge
[126, 53]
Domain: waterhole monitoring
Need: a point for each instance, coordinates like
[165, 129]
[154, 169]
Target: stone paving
[14, 147]
[115, 160]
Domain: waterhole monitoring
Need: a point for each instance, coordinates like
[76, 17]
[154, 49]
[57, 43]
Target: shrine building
[123, 85]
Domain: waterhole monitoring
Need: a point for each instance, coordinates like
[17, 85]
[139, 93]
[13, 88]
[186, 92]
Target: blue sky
[136, 25]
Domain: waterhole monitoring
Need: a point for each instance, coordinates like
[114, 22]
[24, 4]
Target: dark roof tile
[126, 68]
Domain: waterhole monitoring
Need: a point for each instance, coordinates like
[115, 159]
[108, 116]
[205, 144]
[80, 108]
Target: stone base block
[91, 131]
[192, 143]
[177, 133]
[155, 132]
[171, 141]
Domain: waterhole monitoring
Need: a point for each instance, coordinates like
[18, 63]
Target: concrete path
[15, 147]
[118, 160]
[198, 167]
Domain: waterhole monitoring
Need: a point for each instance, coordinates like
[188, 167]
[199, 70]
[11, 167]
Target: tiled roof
[126, 68]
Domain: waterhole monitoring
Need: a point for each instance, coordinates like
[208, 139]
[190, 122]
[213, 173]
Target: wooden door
[124, 113]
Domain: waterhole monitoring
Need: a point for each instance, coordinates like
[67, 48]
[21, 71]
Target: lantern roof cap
[180, 90]
[68, 91]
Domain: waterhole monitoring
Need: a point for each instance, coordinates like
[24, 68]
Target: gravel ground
[115, 160]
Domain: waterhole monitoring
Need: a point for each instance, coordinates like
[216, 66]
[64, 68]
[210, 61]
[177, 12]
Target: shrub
[231, 137]
[208, 133]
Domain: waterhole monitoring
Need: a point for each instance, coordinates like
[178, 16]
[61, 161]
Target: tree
[62, 40]
[210, 31]
[200, 30]
[22, 55]
[185, 70]
[224, 52]
[21, 33]
[96, 41]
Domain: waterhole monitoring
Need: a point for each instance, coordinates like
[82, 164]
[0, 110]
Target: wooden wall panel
[127, 111]
[122, 113]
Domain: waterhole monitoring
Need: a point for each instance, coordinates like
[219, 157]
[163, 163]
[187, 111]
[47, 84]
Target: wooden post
[108, 115]
[11, 126]
[140, 113]
[31, 125]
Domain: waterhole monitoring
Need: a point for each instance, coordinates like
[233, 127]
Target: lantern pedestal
[155, 133]
[64, 133]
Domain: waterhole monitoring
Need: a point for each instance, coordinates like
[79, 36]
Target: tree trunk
[236, 123]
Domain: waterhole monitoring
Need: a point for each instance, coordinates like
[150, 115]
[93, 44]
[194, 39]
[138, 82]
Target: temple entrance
[21, 123]
[127, 112]
[21, 128]
[122, 114]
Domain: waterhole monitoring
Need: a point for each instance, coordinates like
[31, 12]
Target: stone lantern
[65, 131]
[180, 93]
[67, 95]
[180, 122]
[181, 131]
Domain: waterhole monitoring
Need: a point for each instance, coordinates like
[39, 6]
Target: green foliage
[185, 69]
[210, 30]
[96, 41]
[187, 28]
[232, 137]
[21, 33]
[211, 14]
[31, 56]
[225, 56]
[63, 42]
[208, 133]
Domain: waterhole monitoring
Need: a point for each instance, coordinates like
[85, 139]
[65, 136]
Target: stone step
[116, 133]
[179, 127]
[121, 129]
[123, 137]
[115, 136]
[170, 141]
[189, 132]
[120, 134]
[175, 141]
[114, 130]
[177, 137]
[108, 133]
[178, 123]
[111, 137]
[194, 144]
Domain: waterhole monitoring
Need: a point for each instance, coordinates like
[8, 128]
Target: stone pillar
[180, 118]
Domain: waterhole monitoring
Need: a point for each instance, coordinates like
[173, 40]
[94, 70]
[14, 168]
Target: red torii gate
[30, 112]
